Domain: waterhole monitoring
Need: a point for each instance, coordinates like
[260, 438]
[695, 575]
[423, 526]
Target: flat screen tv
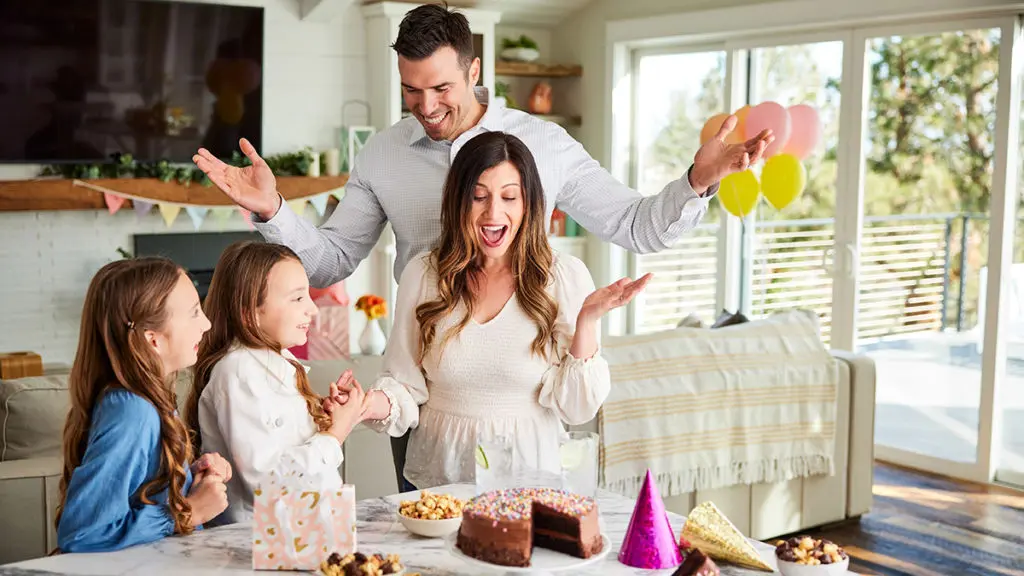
[83, 80]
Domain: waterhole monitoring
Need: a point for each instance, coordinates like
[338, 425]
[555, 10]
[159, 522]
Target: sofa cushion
[32, 412]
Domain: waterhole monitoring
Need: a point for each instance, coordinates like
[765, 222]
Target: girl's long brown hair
[237, 290]
[124, 300]
[456, 257]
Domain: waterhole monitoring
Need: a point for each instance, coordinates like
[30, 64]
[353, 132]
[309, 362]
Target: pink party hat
[650, 543]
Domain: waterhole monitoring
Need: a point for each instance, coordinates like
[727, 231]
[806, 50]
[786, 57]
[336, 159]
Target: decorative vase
[372, 340]
[540, 99]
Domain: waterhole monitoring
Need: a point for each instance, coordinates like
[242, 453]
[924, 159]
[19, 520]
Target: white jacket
[252, 414]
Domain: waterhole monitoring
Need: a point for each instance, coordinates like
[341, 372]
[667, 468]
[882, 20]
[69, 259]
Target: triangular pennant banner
[197, 215]
[141, 207]
[247, 216]
[169, 212]
[222, 214]
[297, 206]
[338, 193]
[113, 202]
[320, 203]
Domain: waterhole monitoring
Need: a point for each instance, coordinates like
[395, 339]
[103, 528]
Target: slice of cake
[697, 563]
[708, 529]
[503, 526]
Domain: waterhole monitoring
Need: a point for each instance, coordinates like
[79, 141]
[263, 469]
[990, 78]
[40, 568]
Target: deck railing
[909, 272]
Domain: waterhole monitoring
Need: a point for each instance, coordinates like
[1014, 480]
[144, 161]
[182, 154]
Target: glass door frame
[849, 227]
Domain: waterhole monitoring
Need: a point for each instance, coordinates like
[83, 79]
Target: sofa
[32, 412]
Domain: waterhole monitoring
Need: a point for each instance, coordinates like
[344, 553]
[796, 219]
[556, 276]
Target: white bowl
[431, 528]
[794, 569]
[520, 54]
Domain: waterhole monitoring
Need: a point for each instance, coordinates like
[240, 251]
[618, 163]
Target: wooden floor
[930, 525]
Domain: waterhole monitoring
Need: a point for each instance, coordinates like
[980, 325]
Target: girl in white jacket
[251, 400]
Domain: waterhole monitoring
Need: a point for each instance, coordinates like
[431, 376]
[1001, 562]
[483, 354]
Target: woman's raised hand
[603, 300]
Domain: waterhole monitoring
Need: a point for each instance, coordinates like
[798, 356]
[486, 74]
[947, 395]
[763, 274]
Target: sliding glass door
[920, 225]
[902, 241]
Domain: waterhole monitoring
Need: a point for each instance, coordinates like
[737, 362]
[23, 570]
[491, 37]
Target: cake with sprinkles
[503, 526]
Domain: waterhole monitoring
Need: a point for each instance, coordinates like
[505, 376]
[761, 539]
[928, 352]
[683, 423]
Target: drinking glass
[578, 453]
[495, 463]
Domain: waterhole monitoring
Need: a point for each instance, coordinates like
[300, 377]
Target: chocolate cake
[696, 563]
[503, 526]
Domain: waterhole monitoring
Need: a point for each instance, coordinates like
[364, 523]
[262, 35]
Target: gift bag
[300, 519]
[328, 332]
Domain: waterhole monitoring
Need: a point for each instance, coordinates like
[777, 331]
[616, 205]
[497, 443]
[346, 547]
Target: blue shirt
[103, 510]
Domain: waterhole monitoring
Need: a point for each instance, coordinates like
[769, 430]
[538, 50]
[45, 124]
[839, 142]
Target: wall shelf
[536, 70]
[561, 120]
[63, 194]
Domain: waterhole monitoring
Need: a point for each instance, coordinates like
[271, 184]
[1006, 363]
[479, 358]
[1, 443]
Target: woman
[494, 334]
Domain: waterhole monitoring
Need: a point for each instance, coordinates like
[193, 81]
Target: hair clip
[131, 324]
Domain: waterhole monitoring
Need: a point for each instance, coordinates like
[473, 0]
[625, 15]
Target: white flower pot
[372, 340]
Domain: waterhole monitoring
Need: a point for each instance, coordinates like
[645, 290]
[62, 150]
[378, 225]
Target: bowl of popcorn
[806, 556]
[362, 565]
[433, 515]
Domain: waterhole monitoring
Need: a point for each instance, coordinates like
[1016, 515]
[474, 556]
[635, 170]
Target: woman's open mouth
[493, 236]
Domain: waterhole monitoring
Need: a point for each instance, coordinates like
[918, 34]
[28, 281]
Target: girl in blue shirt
[126, 480]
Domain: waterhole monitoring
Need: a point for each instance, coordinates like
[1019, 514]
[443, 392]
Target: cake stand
[542, 561]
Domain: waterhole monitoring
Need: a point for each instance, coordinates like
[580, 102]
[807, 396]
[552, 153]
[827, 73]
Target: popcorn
[432, 507]
[359, 564]
[808, 551]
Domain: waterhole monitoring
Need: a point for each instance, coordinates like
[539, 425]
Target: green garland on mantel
[125, 166]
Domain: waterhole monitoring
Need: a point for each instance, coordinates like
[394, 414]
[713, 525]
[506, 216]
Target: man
[399, 175]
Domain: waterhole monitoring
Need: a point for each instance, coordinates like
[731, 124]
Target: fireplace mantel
[64, 194]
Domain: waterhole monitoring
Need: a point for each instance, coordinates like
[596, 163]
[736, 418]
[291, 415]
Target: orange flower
[373, 306]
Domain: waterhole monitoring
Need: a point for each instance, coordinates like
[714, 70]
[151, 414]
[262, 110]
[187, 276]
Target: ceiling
[543, 13]
[532, 12]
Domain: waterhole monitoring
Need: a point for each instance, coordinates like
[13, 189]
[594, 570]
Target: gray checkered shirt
[400, 173]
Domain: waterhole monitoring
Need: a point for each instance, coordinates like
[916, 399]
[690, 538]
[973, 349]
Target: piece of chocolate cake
[696, 563]
[503, 526]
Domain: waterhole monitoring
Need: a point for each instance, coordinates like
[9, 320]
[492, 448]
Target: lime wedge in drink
[481, 457]
[572, 454]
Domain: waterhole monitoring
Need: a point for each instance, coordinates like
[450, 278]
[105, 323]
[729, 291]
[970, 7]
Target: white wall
[48, 258]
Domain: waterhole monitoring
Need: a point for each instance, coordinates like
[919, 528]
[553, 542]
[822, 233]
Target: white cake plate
[542, 561]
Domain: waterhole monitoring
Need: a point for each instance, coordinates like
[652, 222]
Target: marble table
[227, 550]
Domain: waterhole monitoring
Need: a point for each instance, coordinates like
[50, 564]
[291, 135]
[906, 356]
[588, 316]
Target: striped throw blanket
[703, 409]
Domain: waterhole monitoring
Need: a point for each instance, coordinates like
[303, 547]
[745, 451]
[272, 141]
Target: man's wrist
[697, 183]
[267, 217]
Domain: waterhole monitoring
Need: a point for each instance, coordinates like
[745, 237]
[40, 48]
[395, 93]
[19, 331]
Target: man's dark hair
[427, 28]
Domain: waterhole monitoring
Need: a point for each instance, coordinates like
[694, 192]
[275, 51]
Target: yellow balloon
[738, 193]
[783, 178]
[711, 127]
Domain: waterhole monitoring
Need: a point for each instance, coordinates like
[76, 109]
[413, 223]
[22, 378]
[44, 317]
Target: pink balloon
[806, 131]
[769, 116]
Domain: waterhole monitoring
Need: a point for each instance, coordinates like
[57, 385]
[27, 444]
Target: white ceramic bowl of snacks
[806, 556]
[432, 516]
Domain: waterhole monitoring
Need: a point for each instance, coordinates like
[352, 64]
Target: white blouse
[252, 414]
[487, 380]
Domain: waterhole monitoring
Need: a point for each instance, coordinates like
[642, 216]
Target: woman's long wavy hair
[124, 300]
[237, 290]
[457, 257]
